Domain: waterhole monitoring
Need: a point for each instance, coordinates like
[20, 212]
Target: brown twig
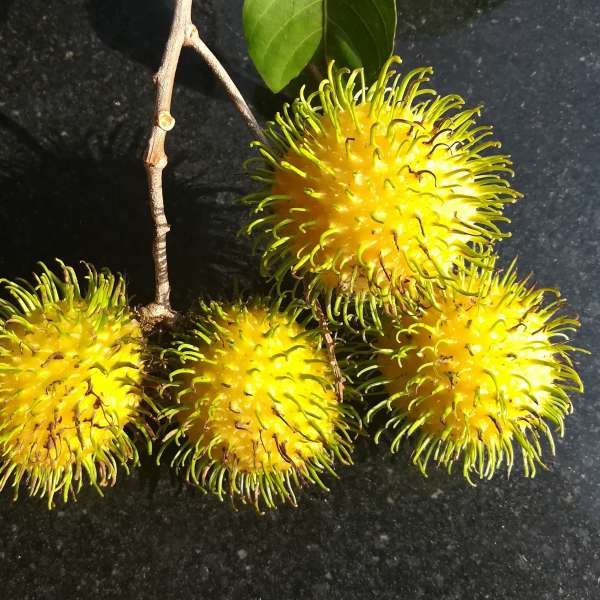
[183, 34]
[156, 160]
[195, 42]
[326, 332]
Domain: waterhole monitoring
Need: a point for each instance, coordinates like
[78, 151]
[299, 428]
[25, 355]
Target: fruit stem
[194, 41]
[326, 333]
[156, 159]
[183, 34]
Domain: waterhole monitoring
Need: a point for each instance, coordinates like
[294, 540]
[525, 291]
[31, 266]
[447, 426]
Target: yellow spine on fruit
[71, 368]
[256, 412]
[485, 368]
[367, 190]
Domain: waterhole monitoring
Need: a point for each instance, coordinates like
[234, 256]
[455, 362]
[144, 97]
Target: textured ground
[75, 99]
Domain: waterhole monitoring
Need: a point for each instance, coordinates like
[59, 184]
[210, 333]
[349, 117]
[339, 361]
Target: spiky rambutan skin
[256, 413]
[366, 190]
[71, 369]
[484, 369]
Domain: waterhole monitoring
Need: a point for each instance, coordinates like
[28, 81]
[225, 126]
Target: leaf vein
[286, 25]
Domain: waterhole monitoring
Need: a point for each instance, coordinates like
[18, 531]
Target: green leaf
[360, 33]
[282, 37]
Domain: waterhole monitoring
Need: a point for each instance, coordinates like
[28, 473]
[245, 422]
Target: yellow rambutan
[256, 413]
[71, 369]
[483, 367]
[366, 190]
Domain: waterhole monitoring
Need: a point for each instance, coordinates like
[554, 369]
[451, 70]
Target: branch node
[165, 120]
[153, 314]
[191, 32]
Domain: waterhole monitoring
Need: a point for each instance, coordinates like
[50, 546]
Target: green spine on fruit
[71, 373]
[367, 190]
[484, 369]
[255, 413]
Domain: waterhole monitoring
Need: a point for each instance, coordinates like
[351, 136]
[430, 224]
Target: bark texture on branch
[156, 160]
[183, 34]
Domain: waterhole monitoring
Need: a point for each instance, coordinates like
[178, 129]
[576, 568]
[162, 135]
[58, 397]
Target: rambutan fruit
[255, 412]
[482, 369]
[367, 189]
[71, 371]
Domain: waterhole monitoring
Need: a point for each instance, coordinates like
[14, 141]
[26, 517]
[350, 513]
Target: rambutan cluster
[376, 217]
[384, 202]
